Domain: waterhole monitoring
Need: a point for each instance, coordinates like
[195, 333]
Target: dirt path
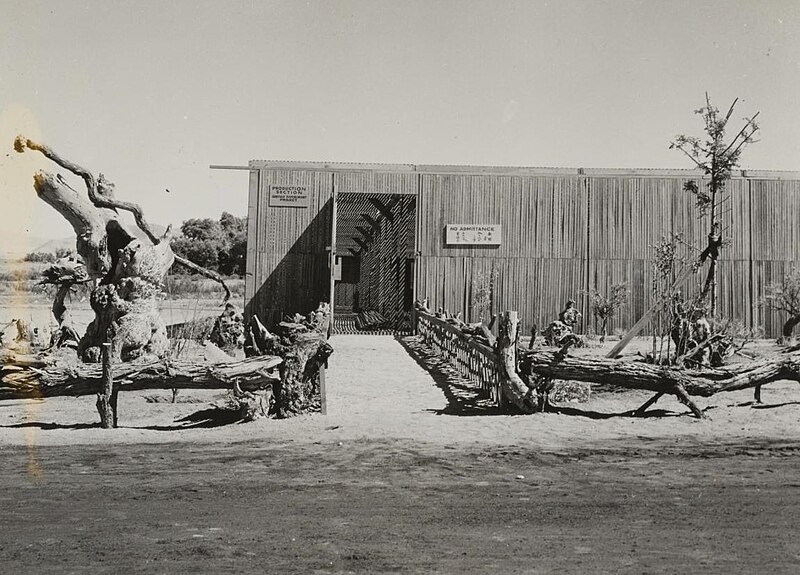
[373, 376]
[409, 473]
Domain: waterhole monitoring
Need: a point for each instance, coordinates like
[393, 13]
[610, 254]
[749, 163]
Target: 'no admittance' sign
[473, 234]
[289, 196]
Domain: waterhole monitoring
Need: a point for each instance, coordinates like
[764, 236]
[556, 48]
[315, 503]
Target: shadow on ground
[591, 414]
[464, 397]
[205, 418]
[51, 425]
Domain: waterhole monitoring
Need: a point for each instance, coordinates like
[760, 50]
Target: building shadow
[464, 397]
[300, 280]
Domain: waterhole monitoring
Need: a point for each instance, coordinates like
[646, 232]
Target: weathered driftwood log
[477, 332]
[31, 377]
[65, 274]
[66, 335]
[130, 271]
[302, 342]
[257, 338]
[299, 388]
[228, 331]
[681, 383]
[512, 387]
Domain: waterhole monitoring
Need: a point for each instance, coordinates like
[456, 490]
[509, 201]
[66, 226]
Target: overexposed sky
[151, 93]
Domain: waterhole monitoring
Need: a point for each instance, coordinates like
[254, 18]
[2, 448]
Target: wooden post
[323, 394]
[513, 389]
[106, 398]
[113, 399]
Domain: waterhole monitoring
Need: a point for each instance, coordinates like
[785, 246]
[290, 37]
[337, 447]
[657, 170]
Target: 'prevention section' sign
[289, 196]
[473, 234]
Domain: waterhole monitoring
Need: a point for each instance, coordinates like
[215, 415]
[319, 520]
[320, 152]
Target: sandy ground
[408, 472]
[380, 387]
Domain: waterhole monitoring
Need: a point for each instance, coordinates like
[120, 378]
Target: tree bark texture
[513, 388]
[104, 401]
[130, 271]
[31, 377]
[660, 379]
[302, 342]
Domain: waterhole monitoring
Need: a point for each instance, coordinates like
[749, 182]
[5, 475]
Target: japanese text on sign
[289, 196]
[473, 234]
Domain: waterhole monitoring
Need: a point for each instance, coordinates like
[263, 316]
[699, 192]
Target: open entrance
[374, 272]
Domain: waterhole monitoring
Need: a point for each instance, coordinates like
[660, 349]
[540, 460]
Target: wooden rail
[474, 361]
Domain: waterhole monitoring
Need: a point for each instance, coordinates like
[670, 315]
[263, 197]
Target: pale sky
[152, 93]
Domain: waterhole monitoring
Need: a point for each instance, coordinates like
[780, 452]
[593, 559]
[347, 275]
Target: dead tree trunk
[660, 379]
[24, 376]
[66, 335]
[513, 388]
[108, 415]
[303, 345]
[130, 271]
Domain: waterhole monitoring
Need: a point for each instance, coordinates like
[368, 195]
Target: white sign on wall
[473, 234]
[287, 196]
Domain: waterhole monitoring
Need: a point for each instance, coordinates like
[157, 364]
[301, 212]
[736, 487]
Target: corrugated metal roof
[511, 170]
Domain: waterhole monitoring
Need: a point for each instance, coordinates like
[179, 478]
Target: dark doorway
[374, 274]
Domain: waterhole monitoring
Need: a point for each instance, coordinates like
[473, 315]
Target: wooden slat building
[564, 233]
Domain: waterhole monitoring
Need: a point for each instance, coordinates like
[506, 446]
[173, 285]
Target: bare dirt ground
[408, 472]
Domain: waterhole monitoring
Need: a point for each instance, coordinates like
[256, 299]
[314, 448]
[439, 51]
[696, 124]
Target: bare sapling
[606, 305]
[717, 157]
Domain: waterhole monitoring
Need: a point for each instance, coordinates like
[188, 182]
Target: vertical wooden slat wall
[774, 237]
[564, 233]
[375, 182]
[289, 260]
[541, 260]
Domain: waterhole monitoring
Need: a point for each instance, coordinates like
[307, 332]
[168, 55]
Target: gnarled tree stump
[302, 342]
[129, 271]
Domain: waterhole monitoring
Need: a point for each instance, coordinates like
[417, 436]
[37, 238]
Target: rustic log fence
[474, 361]
[513, 376]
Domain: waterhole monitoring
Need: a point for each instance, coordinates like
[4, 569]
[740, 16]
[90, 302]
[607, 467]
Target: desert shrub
[570, 391]
[43, 257]
[605, 306]
[64, 253]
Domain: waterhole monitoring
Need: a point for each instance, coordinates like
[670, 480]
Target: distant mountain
[14, 246]
[17, 245]
[52, 246]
